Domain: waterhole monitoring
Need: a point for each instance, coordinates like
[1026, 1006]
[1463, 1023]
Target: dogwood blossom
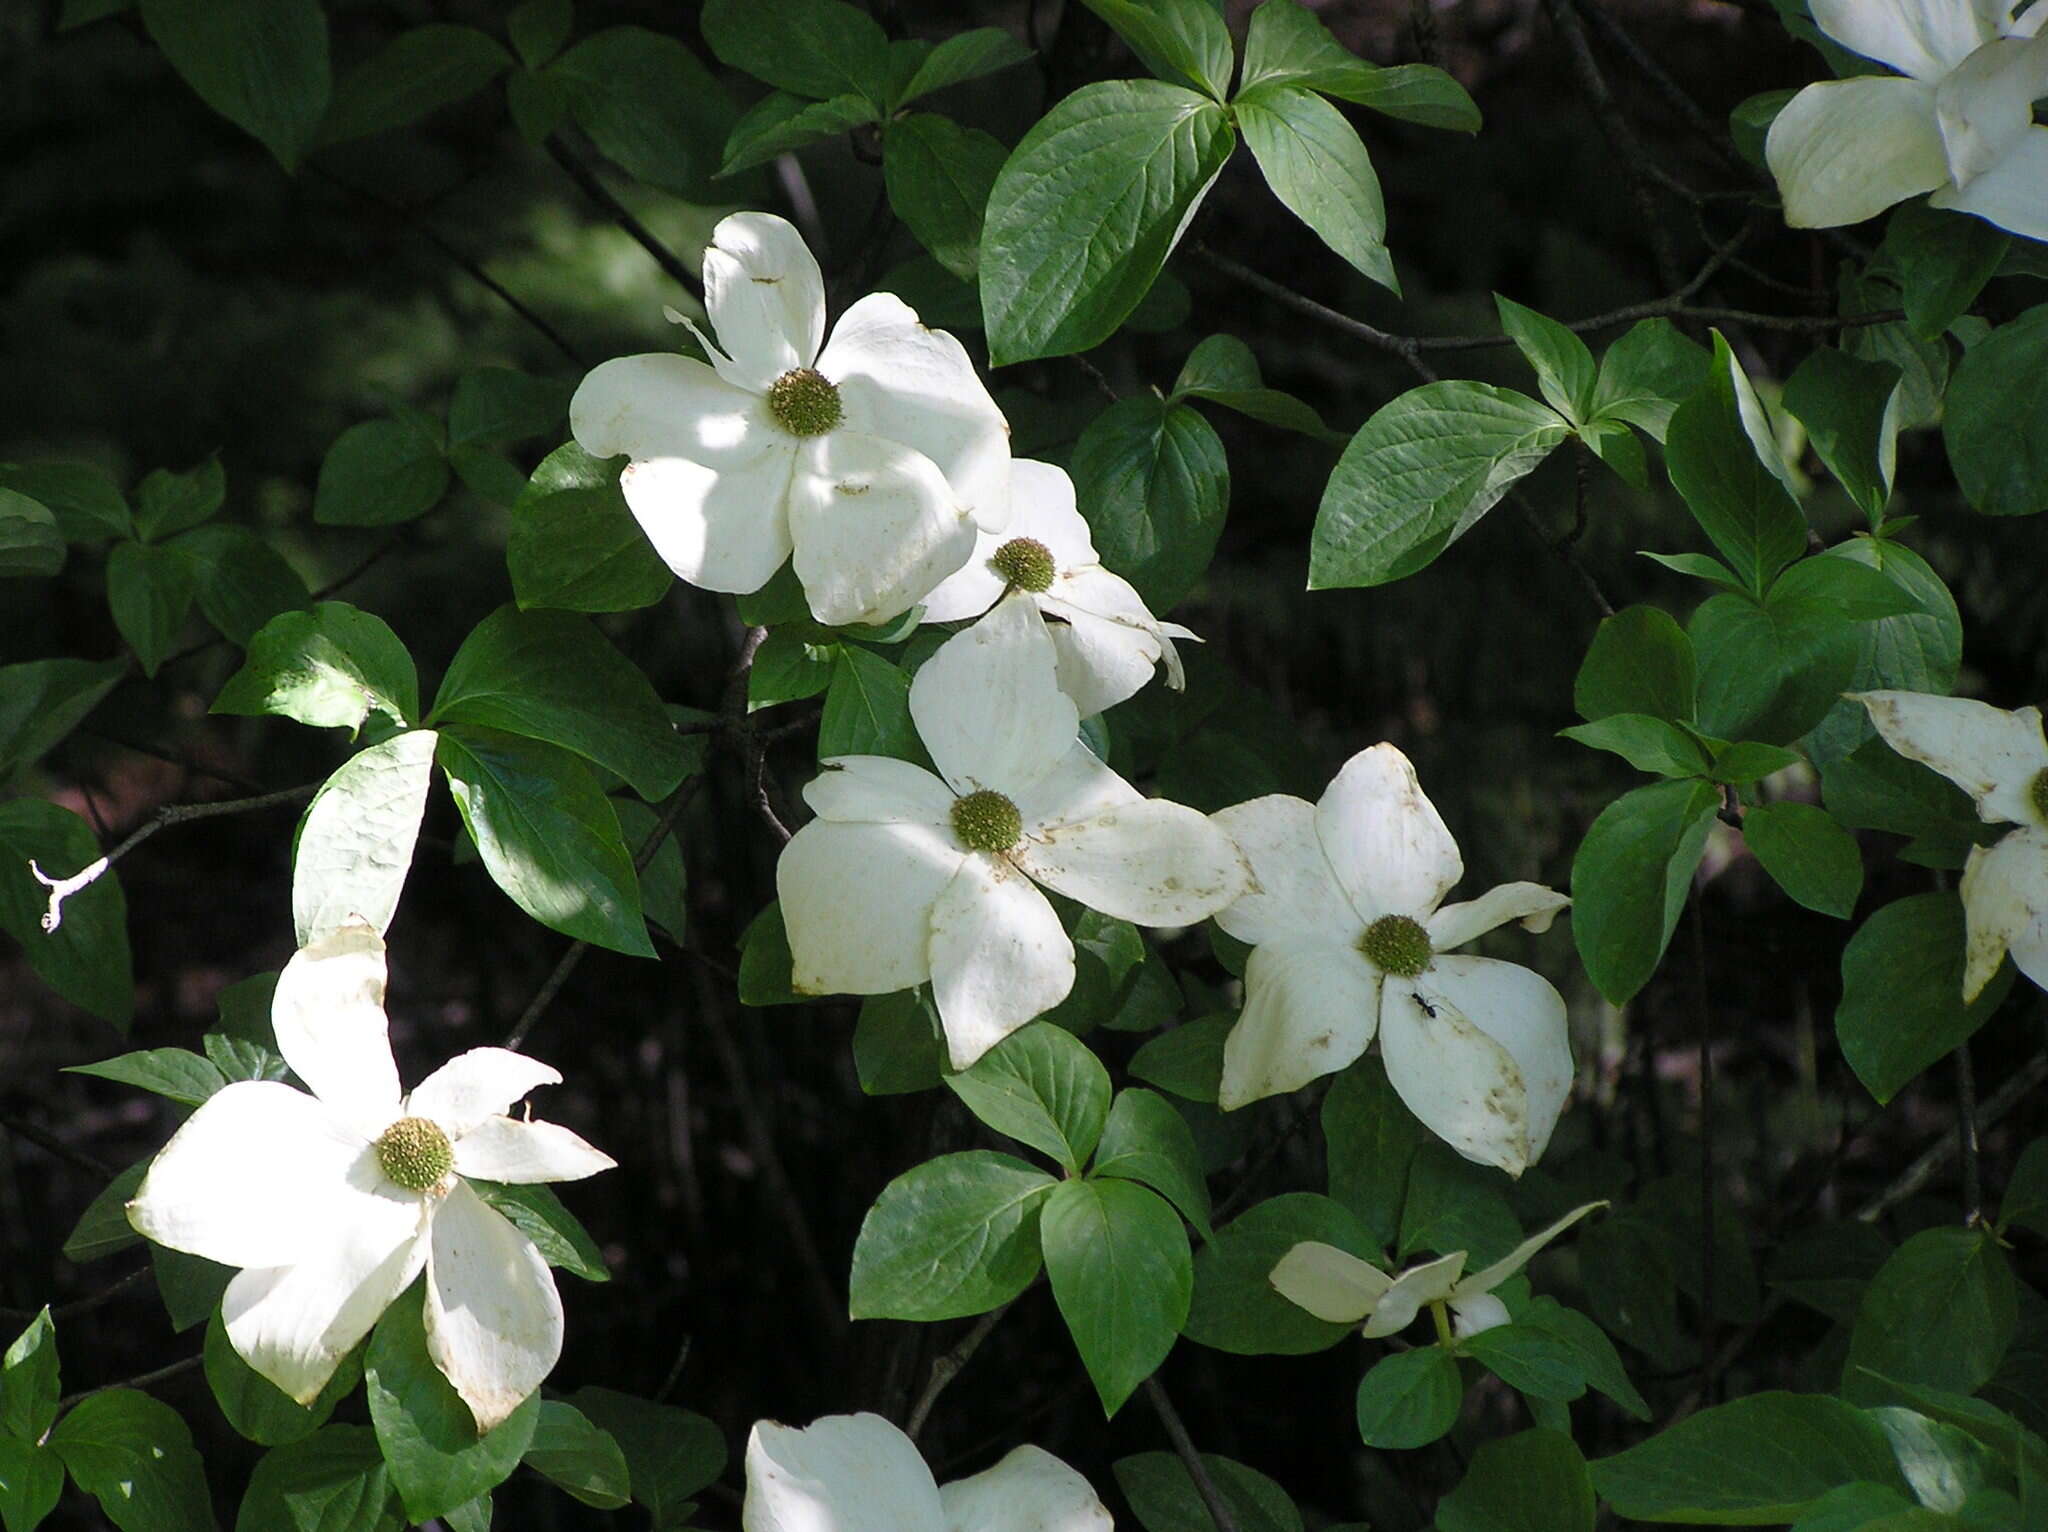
[2001, 761]
[873, 455]
[905, 876]
[858, 1473]
[1336, 1285]
[1108, 643]
[1347, 939]
[333, 1202]
[1956, 121]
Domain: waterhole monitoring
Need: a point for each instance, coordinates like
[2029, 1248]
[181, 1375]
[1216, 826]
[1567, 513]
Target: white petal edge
[1916, 37]
[1461, 1084]
[1986, 103]
[857, 904]
[1488, 1278]
[1028, 1490]
[1152, 862]
[1386, 843]
[1431, 1282]
[765, 296]
[494, 1319]
[1101, 661]
[719, 529]
[521, 1153]
[479, 1084]
[1531, 903]
[1845, 150]
[2005, 908]
[1521, 1011]
[1332, 1284]
[841, 1473]
[874, 526]
[1989, 753]
[988, 704]
[2013, 193]
[1080, 786]
[999, 956]
[328, 1014]
[878, 789]
[660, 405]
[1294, 891]
[1310, 1008]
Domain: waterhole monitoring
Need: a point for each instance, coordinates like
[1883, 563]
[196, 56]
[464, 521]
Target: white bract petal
[1483, 1311]
[875, 526]
[1995, 756]
[1079, 787]
[1521, 1011]
[1107, 640]
[765, 296]
[1531, 903]
[2013, 193]
[878, 789]
[1431, 1282]
[720, 529]
[999, 956]
[1385, 841]
[1921, 38]
[662, 406]
[478, 1085]
[504, 1149]
[1028, 1490]
[844, 1473]
[494, 1319]
[1331, 1284]
[1986, 103]
[1310, 1007]
[328, 1014]
[2005, 908]
[1845, 150]
[1152, 862]
[857, 904]
[988, 704]
[1294, 891]
[1459, 1082]
[1487, 1279]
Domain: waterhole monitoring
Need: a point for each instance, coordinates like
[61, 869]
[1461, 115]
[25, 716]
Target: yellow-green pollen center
[2037, 790]
[415, 1153]
[805, 402]
[987, 821]
[1024, 563]
[1396, 944]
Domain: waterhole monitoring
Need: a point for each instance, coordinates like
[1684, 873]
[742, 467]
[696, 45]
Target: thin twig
[77, 1306]
[586, 179]
[50, 1144]
[946, 1368]
[1938, 1153]
[1966, 1136]
[140, 1380]
[1212, 1498]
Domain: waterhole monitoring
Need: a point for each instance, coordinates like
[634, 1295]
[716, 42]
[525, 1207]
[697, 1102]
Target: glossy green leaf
[379, 473]
[817, 48]
[1164, 1498]
[955, 1236]
[575, 544]
[1530, 1360]
[1235, 1306]
[671, 1454]
[417, 72]
[1902, 992]
[781, 121]
[1181, 40]
[103, 1227]
[31, 546]
[262, 64]
[177, 1074]
[1533, 1481]
[1943, 259]
[1940, 1313]
[1647, 374]
[168, 502]
[1593, 1353]
[1409, 1399]
[1640, 661]
[1807, 854]
[1646, 743]
[1187, 1060]
[332, 1481]
[257, 1407]
[1849, 407]
[1317, 166]
[1122, 1275]
[1155, 486]
[896, 1045]
[1286, 44]
[1630, 879]
[964, 56]
[241, 581]
[1740, 499]
[496, 405]
[867, 708]
[31, 1483]
[29, 1380]
[1042, 1086]
[939, 175]
[649, 105]
[1371, 1139]
[581, 1458]
[1565, 370]
[1223, 370]
[134, 1455]
[150, 591]
[86, 958]
[329, 668]
[41, 701]
[85, 501]
[1147, 1141]
[1996, 434]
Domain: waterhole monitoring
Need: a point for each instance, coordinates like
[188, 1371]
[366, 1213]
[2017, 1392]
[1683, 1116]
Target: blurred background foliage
[167, 292]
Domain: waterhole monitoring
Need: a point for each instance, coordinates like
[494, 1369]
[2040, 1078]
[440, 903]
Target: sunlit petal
[494, 1319]
[1309, 1009]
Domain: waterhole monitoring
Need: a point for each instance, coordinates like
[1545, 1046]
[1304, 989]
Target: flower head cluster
[1336, 1285]
[1957, 120]
[1349, 929]
[1106, 641]
[873, 457]
[2001, 760]
[858, 1473]
[1018, 800]
[333, 1202]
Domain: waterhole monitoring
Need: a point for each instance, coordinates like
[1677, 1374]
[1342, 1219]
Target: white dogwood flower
[1336, 1285]
[1107, 641]
[2001, 761]
[332, 1203]
[874, 458]
[1347, 940]
[905, 876]
[858, 1473]
[1957, 120]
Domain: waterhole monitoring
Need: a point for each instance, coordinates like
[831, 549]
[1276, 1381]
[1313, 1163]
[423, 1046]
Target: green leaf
[1944, 1464]
[1772, 671]
[535, 1211]
[1122, 1275]
[1187, 1060]
[103, 1227]
[553, 678]
[1317, 166]
[1739, 498]
[41, 701]
[1565, 371]
[329, 668]
[1647, 374]
[1533, 1481]
[417, 72]
[85, 501]
[241, 1058]
[167, 502]
[190, 1286]
[241, 580]
[1086, 210]
[1155, 487]
[354, 846]
[1943, 259]
[428, 1435]
[31, 1483]
[1851, 413]
[962, 57]
[671, 1453]
[575, 544]
[1164, 1498]
[867, 709]
[1371, 1138]
[780, 122]
[1810, 856]
[1453, 1204]
[1874, 788]
[134, 1455]
[664, 882]
[818, 48]
[1223, 370]
[649, 105]
[1646, 743]
[1409, 1399]
[1182, 40]
[257, 1407]
[380, 473]
[1640, 661]
[538, 28]
[547, 836]
[1902, 992]
[333, 1481]
[1630, 879]
[1701, 566]
[1287, 44]
[1419, 474]
[1147, 1141]
[1939, 1313]
[494, 406]
[1235, 1306]
[955, 1236]
[579, 1457]
[150, 591]
[1746, 761]
[31, 546]
[1917, 649]
[1997, 435]
[765, 963]
[2025, 1202]
[939, 175]
[28, 1380]
[262, 64]
[1617, 446]
[1597, 1361]
[178, 1074]
[1042, 1086]
[1528, 1359]
[896, 1045]
[86, 958]
[1749, 121]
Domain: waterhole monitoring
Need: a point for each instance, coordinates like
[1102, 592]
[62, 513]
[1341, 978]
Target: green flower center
[987, 821]
[2037, 790]
[805, 402]
[415, 1153]
[1397, 945]
[1024, 562]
